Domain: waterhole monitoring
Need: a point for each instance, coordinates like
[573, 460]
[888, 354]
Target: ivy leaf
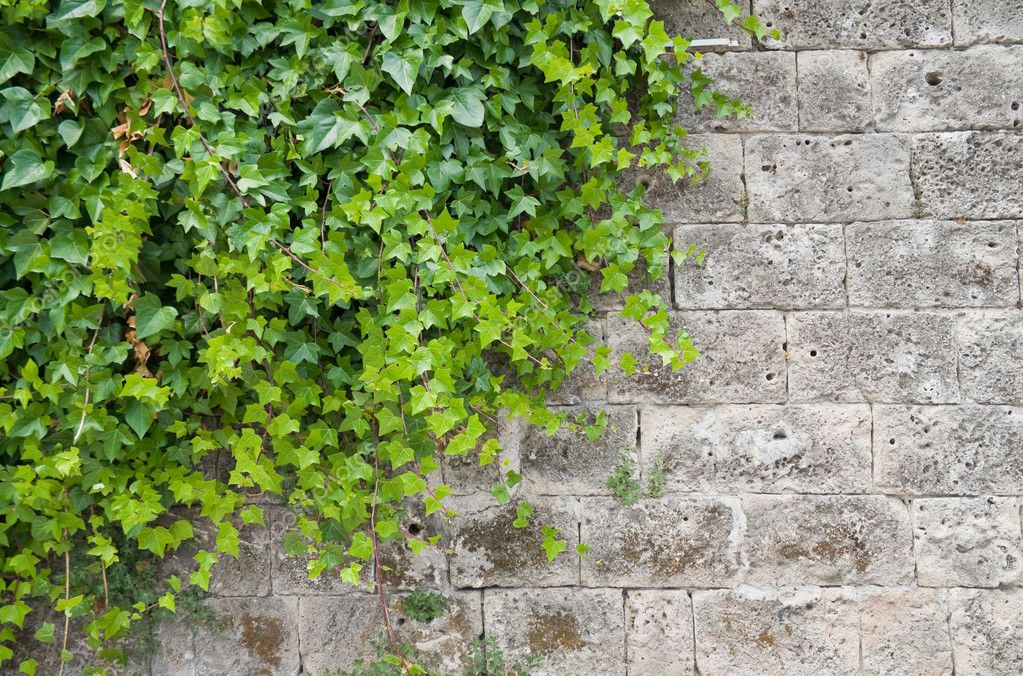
[22, 110]
[467, 107]
[151, 316]
[25, 167]
[325, 128]
[477, 14]
[404, 68]
[77, 9]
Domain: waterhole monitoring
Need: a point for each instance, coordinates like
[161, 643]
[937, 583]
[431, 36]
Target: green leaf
[326, 128]
[467, 107]
[23, 168]
[151, 317]
[77, 9]
[403, 69]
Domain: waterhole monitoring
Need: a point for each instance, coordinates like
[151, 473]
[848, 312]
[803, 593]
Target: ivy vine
[338, 239]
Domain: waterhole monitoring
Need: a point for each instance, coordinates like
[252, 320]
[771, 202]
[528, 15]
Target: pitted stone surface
[701, 19]
[861, 24]
[924, 263]
[834, 91]
[872, 356]
[775, 631]
[969, 174]
[716, 198]
[968, 542]
[338, 630]
[255, 636]
[579, 631]
[802, 178]
[935, 90]
[819, 448]
[827, 540]
[741, 360]
[987, 21]
[764, 80]
[762, 266]
[675, 541]
[905, 631]
[488, 551]
[989, 344]
[948, 450]
[987, 631]
[558, 465]
[658, 632]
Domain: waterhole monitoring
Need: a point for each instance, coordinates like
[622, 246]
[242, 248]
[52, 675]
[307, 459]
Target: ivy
[329, 241]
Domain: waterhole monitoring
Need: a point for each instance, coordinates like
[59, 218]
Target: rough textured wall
[845, 461]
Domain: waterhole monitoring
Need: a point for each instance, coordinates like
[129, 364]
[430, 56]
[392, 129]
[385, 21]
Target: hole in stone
[992, 245]
[813, 353]
[849, 188]
[891, 441]
[780, 434]
[770, 376]
[1015, 105]
[933, 79]
[415, 528]
[401, 621]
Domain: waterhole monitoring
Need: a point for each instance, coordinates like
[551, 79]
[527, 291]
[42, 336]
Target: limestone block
[716, 198]
[175, 649]
[658, 632]
[577, 631]
[488, 551]
[741, 360]
[338, 630]
[944, 450]
[256, 636]
[465, 475]
[762, 266]
[987, 21]
[583, 384]
[968, 542]
[936, 90]
[827, 540]
[814, 179]
[968, 174]
[987, 631]
[403, 570]
[990, 345]
[700, 19]
[876, 356]
[570, 464]
[859, 24]
[803, 631]
[766, 81]
[905, 631]
[673, 541]
[818, 448]
[907, 264]
[834, 91]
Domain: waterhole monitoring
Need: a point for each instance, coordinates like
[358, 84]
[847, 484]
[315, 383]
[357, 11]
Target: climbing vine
[328, 241]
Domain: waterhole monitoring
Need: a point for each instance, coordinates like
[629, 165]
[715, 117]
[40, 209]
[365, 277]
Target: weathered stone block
[905, 631]
[875, 356]
[578, 631]
[570, 464]
[700, 19]
[934, 90]
[741, 360]
[834, 91]
[968, 542]
[761, 449]
[968, 174]
[908, 264]
[762, 266]
[987, 631]
[338, 630]
[946, 450]
[764, 80]
[658, 632]
[987, 21]
[175, 649]
[257, 636]
[860, 24]
[716, 198]
[672, 541]
[464, 474]
[800, 178]
[990, 345]
[780, 631]
[827, 540]
[488, 551]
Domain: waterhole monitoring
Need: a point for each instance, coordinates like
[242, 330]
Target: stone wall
[844, 463]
